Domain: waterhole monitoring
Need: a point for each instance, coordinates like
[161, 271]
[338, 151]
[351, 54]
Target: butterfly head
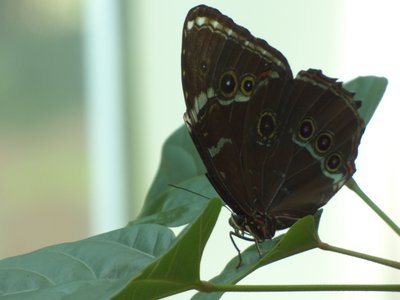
[259, 227]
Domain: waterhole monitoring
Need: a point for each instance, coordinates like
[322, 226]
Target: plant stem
[352, 184]
[379, 260]
[206, 286]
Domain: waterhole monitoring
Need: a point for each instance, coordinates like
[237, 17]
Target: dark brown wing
[221, 65]
[310, 153]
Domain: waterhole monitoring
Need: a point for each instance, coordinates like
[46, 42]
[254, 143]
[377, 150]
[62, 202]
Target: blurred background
[89, 91]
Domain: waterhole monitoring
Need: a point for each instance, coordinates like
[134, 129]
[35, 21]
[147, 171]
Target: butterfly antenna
[197, 194]
[187, 190]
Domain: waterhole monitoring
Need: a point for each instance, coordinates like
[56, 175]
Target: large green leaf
[98, 266]
[179, 162]
[144, 259]
[369, 90]
[176, 207]
[181, 166]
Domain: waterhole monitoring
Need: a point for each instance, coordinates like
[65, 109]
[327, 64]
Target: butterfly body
[276, 148]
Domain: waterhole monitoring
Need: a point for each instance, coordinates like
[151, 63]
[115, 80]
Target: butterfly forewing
[216, 52]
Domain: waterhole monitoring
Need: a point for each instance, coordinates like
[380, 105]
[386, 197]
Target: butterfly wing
[309, 154]
[221, 65]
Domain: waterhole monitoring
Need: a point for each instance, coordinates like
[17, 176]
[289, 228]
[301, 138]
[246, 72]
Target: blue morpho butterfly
[276, 148]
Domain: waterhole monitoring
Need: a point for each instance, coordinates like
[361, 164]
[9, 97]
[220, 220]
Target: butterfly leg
[231, 234]
[240, 235]
[258, 247]
[254, 239]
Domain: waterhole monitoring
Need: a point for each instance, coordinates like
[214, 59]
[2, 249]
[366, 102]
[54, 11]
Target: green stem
[351, 184]
[206, 286]
[379, 260]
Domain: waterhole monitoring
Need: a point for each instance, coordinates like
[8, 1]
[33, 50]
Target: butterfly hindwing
[293, 173]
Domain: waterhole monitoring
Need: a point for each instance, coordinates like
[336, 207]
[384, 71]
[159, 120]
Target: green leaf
[144, 259]
[181, 166]
[178, 270]
[302, 236]
[94, 268]
[369, 90]
[176, 207]
[179, 162]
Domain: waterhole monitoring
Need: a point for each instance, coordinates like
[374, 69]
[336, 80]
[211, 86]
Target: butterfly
[276, 148]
